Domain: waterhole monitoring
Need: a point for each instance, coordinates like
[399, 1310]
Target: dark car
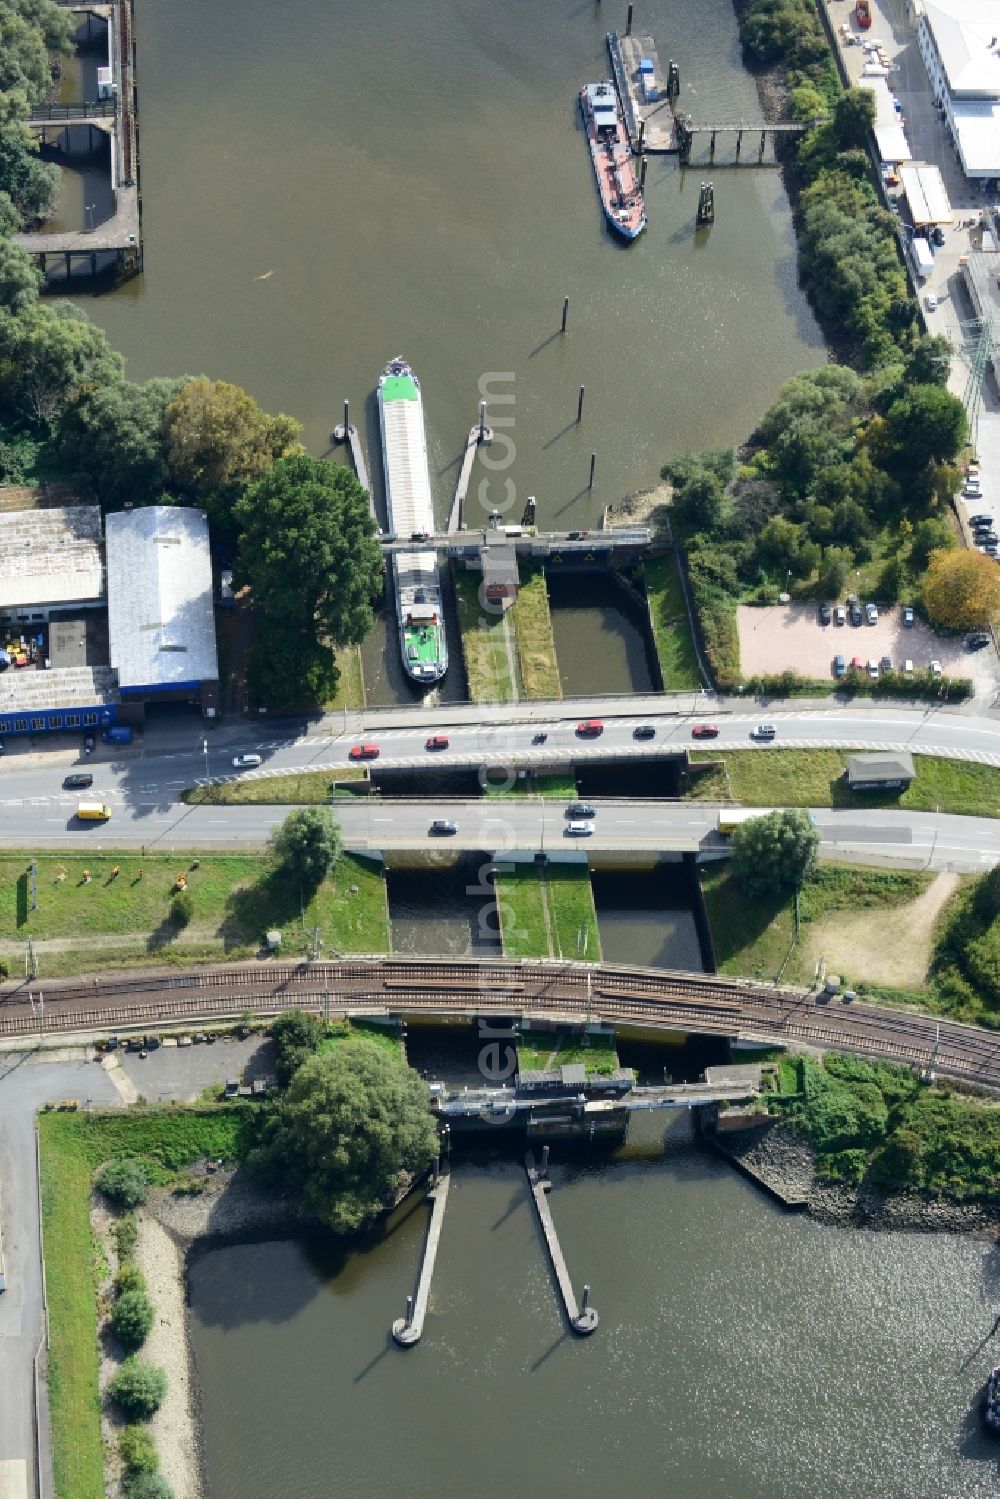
[420, 536]
[580, 810]
[443, 827]
[908, 615]
[977, 641]
[644, 731]
[824, 614]
[980, 520]
[705, 731]
[855, 615]
[839, 666]
[886, 663]
[79, 781]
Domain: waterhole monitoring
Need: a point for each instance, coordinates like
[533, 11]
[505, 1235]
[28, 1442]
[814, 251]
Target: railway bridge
[497, 993]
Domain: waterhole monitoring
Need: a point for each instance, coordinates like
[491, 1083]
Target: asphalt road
[143, 784]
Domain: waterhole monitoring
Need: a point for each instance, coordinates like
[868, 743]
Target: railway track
[696, 1002]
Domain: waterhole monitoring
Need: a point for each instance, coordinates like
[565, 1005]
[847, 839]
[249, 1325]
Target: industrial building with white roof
[959, 42]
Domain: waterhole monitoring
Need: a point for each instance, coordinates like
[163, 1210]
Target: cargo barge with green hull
[410, 507]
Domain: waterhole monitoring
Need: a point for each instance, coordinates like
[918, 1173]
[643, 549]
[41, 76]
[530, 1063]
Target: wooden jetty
[115, 244]
[583, 1320]
[480, 433]
[407, 1330]
[650, 123]
[687, 130]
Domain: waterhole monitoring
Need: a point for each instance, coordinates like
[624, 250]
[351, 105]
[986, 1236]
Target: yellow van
[93, 812]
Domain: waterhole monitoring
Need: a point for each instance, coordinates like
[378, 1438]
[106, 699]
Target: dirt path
[883, 947]
[205, 936]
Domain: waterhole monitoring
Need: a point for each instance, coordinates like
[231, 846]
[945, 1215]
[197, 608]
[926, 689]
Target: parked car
[420, 536]
[79, 781]
[840, 615]
[443, 827]
[705, 731]
[644, 731]
[873, 670]
[937, 235]
[855, 614]
[763, 731]
[363, 752]
[977, 641]
[908, 668]
[886, 663]
[119, 734]
[437, 742]
[857, 664]
[839, 666]
[931, 302]
[578, 829]
[590, 728]
[824, 614]
[246, 762]
[980, 520]
[936, 669]
[973, 487]
[871, 614]
[580, 811]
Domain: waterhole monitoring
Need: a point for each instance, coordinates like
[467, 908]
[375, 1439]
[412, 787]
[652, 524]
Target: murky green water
[741, 1354]
[413, 179]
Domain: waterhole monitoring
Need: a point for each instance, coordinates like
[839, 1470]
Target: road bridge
[522, 993]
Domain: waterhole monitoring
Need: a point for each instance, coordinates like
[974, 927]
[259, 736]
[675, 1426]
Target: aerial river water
[741, 1353]
[413, 178]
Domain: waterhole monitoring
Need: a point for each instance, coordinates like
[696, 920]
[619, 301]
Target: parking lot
[789, 637]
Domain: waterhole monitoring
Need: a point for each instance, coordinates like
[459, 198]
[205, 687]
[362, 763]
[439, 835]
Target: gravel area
[174, 1428]
[788, 637]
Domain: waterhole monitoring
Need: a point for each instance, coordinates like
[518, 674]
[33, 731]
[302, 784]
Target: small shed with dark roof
[880, 772]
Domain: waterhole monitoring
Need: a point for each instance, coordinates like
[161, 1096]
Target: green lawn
[539, 1050]
[814, 778]
[671, 628]
[350, 691]
[558, 787]
[487, 668]
[752, 936]
[532, 623]
[237, 898]
[72, 1147]
[298, 788]
[550, 918]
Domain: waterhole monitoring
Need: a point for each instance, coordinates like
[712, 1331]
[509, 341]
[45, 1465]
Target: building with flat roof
[959, 41]
[880, 772]
[48, 559]
[161, 620]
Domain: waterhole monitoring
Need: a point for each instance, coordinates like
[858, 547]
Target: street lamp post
[90, 217]
[204, 746]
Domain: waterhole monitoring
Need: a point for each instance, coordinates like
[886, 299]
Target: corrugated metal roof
[161, 624]
[50, 556]
[926, 194]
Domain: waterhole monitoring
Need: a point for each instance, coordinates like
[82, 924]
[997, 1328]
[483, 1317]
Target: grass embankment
[386, 1037]
[815, 778]
[536, 647]
[72, 1147]
[297, 788]
[754, 935]
[539, 1050]
[124, 920]
[350, 691]
[875, 1122]
[548, 913]
[558, 786]
[489, 671]
[671, 628]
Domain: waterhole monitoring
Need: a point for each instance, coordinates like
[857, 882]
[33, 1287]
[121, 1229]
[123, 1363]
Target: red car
[590, 728]
[364, 752]
[437, 742]
[857, 664]
[705, 731]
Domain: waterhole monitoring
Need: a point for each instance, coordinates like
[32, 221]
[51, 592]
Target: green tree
[30, 31]
[834, 569]
[929, 360]
[296, 1036]
[219, 439]
[307, 844]
[47, 353]
[30, 185]
[132, 1317]
[128, 1277]
[900, 1161]
[854, 117]
[113, 436]
[775, 851]
[146, 1486]
[926, 423]
[138, 1450]
[138, 1388]
[929, 535]
[352, 1126]
[124, 1180]
[19, 281]
[308, 551]
[698, 502]
[291, 668]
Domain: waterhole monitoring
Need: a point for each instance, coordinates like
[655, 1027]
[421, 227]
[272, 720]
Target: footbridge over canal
[510, 993]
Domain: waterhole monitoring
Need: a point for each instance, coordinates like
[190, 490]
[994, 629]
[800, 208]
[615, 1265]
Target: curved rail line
[469, 987]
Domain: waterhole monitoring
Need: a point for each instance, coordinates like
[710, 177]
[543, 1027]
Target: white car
[935, 668]
[578, 829]
[930, 302]
[246, 762]
[908, 668]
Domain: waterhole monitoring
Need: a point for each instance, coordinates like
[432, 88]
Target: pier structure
[408, 1330]
[582, 1318]
[348, 432]
[480, 433]
[113, 243]
[646, 93]
[687, 130]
